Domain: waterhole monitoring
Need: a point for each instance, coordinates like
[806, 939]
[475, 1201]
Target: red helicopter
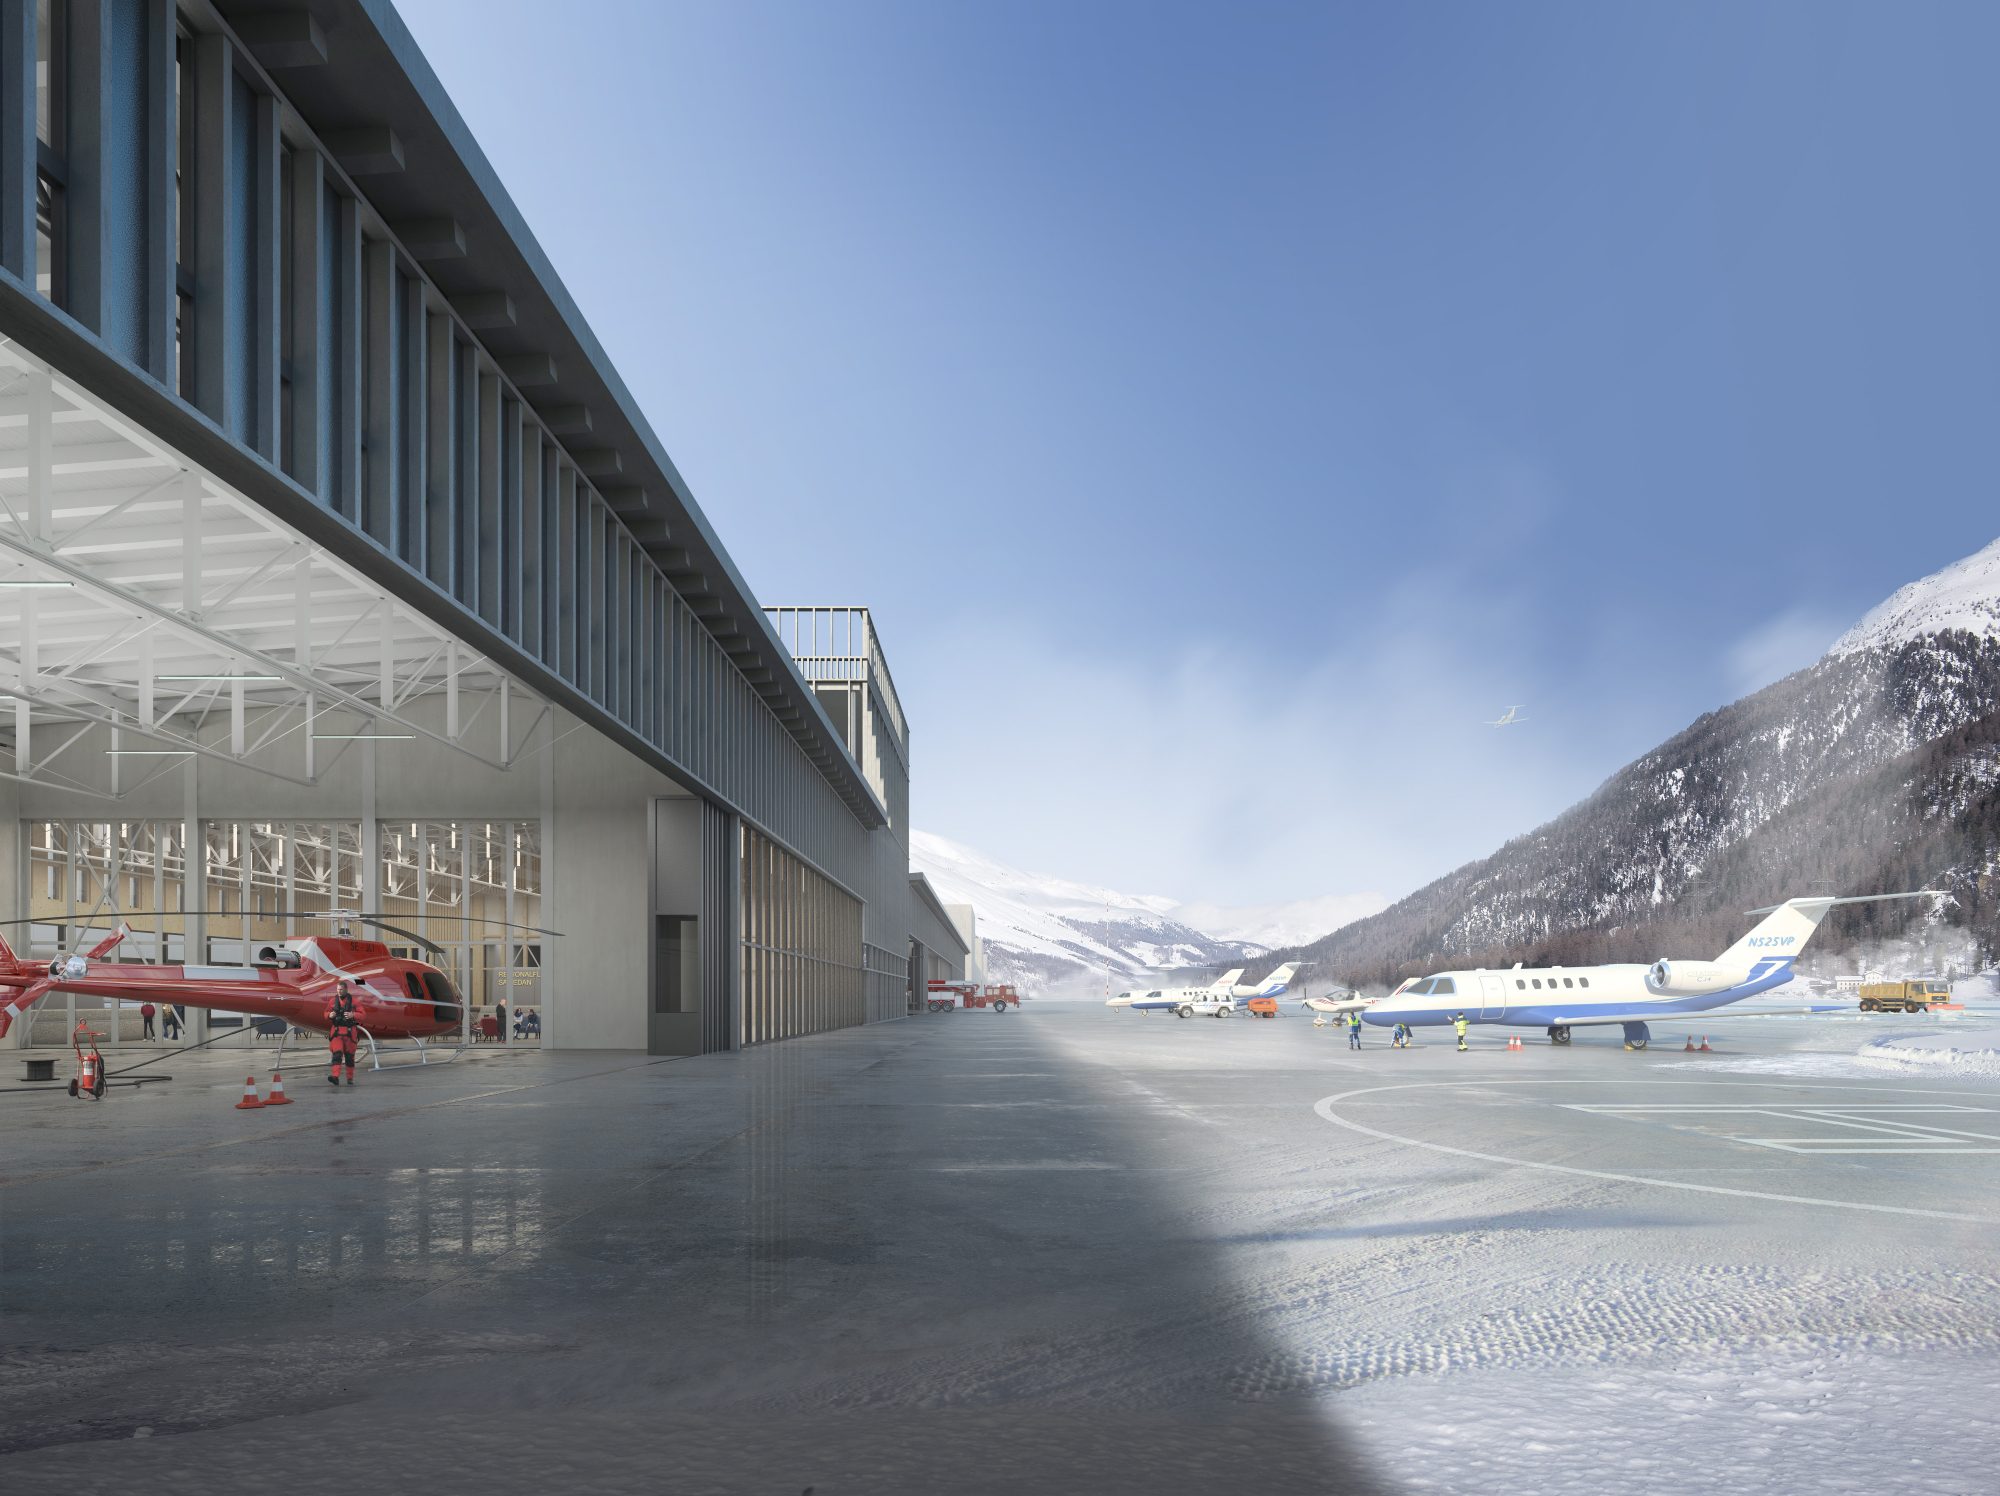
[293, 980]
[18, 973]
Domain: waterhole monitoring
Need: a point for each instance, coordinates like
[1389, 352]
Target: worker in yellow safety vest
[1459, 1025]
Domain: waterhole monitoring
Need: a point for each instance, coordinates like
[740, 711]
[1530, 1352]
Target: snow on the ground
[1964, 595]
[1715, 1423]
[1934, 1052]
[1961, 1044]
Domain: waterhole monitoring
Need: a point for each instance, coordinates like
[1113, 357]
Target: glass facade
[459, 884]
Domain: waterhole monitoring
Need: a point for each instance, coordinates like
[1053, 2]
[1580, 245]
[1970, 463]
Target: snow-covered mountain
[1964, 595]
[1871, 769]
[1271, 925]
[1038, 929]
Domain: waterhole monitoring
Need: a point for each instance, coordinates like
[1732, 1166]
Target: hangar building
[338, 569]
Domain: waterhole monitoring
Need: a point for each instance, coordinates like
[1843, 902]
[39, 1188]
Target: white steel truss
[139, 593]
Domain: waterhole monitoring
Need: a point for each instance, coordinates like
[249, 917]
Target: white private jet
[1508, 720]
[1219, 999]
[1560, 998]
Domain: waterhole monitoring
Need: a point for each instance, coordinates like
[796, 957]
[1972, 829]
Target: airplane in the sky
[1507, 720]
[1219, 999]
[1562, 998]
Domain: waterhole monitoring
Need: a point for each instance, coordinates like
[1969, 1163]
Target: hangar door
[691, 990]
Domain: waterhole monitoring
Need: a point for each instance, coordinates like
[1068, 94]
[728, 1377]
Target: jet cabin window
[1568, 983]
[1523, 986]
[1538, 984]
[1583, 981]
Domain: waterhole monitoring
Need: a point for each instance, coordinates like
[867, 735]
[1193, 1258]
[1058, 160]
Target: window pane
[48, 238]
[49, 18]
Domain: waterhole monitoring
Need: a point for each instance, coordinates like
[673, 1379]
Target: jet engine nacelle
[1689, 978]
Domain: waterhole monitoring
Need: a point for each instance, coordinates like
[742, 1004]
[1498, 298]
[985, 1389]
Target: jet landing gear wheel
[1184, 1011]
[1558, 1033]
[1637, 1036]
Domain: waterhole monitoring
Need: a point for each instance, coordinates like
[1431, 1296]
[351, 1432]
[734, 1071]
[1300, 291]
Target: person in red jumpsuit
[343, 1032]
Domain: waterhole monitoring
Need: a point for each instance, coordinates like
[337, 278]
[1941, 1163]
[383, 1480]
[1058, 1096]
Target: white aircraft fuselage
[1222, 995]
[1560, 997]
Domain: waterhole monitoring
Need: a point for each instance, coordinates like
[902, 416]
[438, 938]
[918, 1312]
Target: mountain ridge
[1666, 853]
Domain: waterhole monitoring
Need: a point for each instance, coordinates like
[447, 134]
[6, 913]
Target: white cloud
[1295, 923]
[1774, 649]
[1226, 778]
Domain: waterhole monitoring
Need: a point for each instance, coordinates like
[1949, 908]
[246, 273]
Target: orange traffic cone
[277, 1096]
[1513, 1041]
[1704, 1044]
[1688, 1048]
[250, 1101]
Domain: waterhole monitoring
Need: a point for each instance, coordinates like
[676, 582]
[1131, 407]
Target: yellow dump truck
[1918, 996]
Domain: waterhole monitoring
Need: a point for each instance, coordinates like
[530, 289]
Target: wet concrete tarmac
[1059, 1250]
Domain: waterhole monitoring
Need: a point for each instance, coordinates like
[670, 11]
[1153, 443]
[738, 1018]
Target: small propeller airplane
[1508, 719]
[295, 980]
[1340, 1005]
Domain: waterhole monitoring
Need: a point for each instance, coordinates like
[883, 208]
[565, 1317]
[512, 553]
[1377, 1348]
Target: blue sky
[1226, 408]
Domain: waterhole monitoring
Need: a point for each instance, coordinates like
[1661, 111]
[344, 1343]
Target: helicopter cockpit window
[444, 1000]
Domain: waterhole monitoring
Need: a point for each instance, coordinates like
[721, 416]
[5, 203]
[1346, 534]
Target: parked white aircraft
[1561, 998]
[1172, 997]
[1219, 999]
[1508, 720]
[1340, 1007]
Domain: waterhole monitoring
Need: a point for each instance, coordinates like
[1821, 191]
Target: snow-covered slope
[1877, 767]
[1040, 929]
[1964, 595]
[1274, 925]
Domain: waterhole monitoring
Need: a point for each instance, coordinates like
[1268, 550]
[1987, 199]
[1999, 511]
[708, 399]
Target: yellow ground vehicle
[1918, 996]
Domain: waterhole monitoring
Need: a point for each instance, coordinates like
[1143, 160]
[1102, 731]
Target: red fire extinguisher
[90, 1066]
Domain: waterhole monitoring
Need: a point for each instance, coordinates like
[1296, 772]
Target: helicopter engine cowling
[1689, 978]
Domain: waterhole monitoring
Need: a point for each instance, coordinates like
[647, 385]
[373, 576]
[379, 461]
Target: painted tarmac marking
[1887, 1119]
[1025, 1164]
[1325, 1107]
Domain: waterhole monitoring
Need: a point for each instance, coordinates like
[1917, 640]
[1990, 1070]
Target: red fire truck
[944, 995]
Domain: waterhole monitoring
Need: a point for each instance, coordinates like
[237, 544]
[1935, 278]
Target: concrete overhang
[921, 890]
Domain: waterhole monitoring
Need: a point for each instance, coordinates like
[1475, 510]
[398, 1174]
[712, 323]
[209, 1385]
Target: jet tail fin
[1226, 983]
[1278, 980]
[1787, 927]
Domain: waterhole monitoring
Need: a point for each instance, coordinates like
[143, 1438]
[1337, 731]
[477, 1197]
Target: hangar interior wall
[584, 797]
